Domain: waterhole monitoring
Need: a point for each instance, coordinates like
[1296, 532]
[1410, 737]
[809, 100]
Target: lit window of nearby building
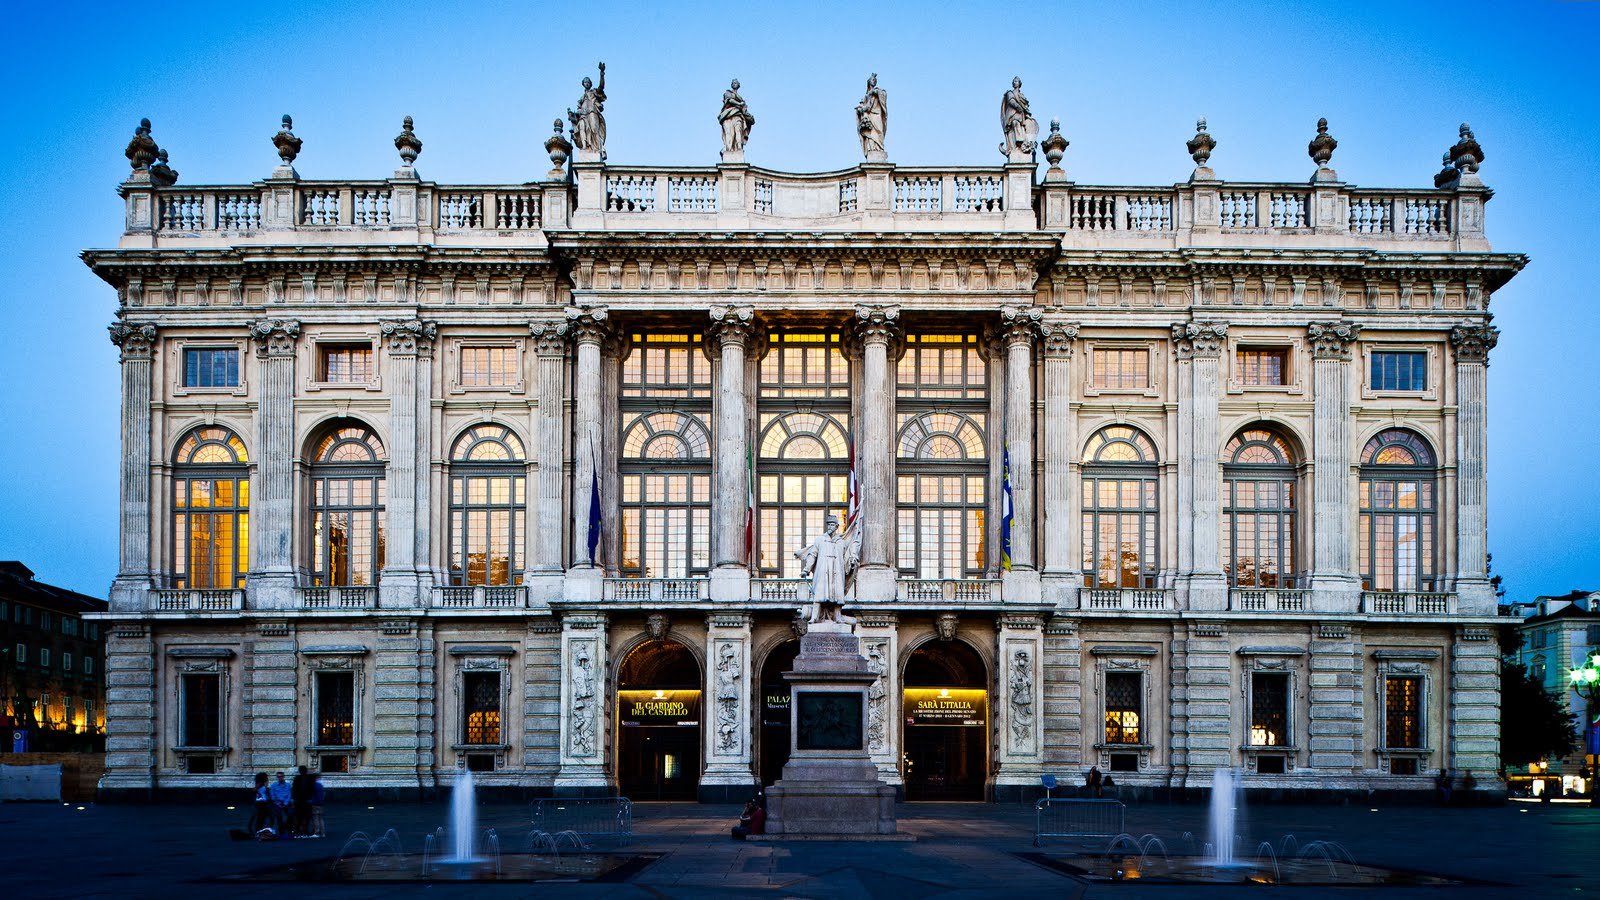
[1269, 709]
[211, 367]
[1399, 370]
[346, 363]
[488, 366]
[1262, 366]
[1402, 712]
[66, 662]
[1121, 369]
[1124, 707]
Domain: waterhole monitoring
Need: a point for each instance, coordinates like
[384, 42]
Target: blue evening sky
[485, 80]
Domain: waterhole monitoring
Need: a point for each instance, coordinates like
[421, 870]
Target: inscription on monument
[828, 720]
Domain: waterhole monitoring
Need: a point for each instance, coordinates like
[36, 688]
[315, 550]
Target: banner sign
[658, 707]
[951, 707]
[775, 705]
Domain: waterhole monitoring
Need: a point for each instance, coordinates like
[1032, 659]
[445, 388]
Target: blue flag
[594, 504]
[1005, 508]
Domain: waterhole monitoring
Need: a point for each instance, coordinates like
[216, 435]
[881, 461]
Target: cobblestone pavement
[962, 850]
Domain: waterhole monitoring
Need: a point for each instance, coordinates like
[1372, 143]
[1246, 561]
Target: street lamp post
[1586, 684]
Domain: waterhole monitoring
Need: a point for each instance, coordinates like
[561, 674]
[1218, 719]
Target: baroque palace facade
[421, 478]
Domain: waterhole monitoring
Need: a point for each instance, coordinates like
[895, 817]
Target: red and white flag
[852, 506]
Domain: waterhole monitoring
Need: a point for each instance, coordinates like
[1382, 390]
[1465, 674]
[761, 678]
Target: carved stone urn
[1054, 146]
[1322, 146]
[142, 149]
[288, 145]
[1449, 175]
[408, 143]
[559, 148]
[1466, 153]
[1201, 145]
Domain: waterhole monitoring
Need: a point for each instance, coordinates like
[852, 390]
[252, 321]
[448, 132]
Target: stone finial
[162, 174]
[1054, 146]
[408, 143]
[1466, 152]
[142, 149]
[1201, 145]
[1449, 175]
[288, 145]
[1322, 146]
[559, 148]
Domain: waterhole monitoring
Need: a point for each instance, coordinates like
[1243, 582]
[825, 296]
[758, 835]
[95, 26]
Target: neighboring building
[51, 664]
[1558, 635]
[1233, 433]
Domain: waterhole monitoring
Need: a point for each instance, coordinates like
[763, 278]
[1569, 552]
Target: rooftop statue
[1020, 127]
[736, 121]
[829, 562]
[588, 120]
[872, 120]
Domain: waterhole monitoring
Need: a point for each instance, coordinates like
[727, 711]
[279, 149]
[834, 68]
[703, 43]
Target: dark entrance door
[775, 710]
[658, 723]
[945, 716]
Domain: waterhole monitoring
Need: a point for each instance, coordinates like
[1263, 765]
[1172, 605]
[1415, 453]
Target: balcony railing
[499, 596]
[793, 590]
[1408, 603]
[1267, 599]
[1138, 599]
[948, 590]
[666, 590]
[197, 600]
[348, 597]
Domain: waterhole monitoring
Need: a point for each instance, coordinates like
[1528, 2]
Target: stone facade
[413, 318]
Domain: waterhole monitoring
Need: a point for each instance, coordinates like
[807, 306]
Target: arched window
[210, 510]
[666, 495]
[941, 471]
[1120, 509]
[347, 498]
[1258, 505]
[805, 460]
[1398, 502]
[488, 506]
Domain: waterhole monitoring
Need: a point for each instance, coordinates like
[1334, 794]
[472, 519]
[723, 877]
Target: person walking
[262, 818]
[318, 796]
[1445, 782]
[1092, 782]
[282, 803]
[300, 796]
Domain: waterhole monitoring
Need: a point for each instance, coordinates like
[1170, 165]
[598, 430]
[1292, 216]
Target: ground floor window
[200, 710]
[1124, 707]
[1269, 709]
[335, 708]
[1402, 712]
[482, 719]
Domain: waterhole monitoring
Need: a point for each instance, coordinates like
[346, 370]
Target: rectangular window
[798, 364]
[666, 365]
[44, 657]
[482, 714]
[346, 363]
[488, 366]
[211, 367]
[201, 715]
[44, 621]
[66, 662]
[1399, 370]
[1258, 367]
[1269, 709]
[1124, 706]
[69, 627]
[5, 610]
[88, 665]
[22, 655]
[1592, 636]
[1402, 707]
[1121, 369]
[336, 708]
[89, 722]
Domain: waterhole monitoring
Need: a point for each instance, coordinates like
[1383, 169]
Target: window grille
[1124, 706]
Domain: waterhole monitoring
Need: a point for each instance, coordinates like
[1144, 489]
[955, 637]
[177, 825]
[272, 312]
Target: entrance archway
[945, 715]
[658, 722]
[775, 710]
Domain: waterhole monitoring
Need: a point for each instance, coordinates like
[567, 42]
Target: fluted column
[1472, 344]
[272, 578]
[546, 524]
[1199, 347]
[876, 330]
[137, 343]
[405, 341]
[1060, 448]
[588, 328]
[1019, 326]
[730, 334]
[1334, 581]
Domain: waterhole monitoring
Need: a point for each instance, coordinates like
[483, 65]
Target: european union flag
[1005, 508]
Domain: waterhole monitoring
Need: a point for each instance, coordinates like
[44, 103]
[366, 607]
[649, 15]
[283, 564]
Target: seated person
[752, 821]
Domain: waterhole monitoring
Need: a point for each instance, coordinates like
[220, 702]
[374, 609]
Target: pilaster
[728, 718]
[1199, 348]
[880, 643]
[877, 331]
[137, 344]
[131, 690]
[544, 550]
[409, 345]
[1472, 343]
[585, 718]
[541, 700]
[404, 702]
[1060, 575]
[272, 576]
[1474, 702]
[1062, 695]
[1019, 654]
[1208, 682]
[271, 695]
[1335, 584]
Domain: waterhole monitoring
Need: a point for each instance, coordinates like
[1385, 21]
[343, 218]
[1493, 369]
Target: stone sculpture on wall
[877, 695]
[588, 120]
[872, 120]
[728, 677]
[1020, 127]
[583, 704]
[829, 562]
[736, 121]
[1021, 685]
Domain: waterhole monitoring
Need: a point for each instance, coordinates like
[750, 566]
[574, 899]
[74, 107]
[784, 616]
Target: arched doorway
[945, 710]
[658, 722]
[775, 710]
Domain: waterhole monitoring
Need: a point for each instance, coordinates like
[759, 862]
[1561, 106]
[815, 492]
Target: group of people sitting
[754, 818]
[285, 810]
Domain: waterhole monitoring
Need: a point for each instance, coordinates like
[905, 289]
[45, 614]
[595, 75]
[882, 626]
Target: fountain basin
[408, 868]
[1180, 870]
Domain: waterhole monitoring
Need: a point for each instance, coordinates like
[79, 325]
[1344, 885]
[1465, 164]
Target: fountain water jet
[1224, 815]
[463, 820]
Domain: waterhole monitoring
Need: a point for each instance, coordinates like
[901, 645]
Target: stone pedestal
[830, 787]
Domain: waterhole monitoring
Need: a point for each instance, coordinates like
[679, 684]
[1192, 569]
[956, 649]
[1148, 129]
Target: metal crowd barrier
[588, 817]
[1077, 819]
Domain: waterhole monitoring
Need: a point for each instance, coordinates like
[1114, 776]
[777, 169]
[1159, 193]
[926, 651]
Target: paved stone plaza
[961, 850]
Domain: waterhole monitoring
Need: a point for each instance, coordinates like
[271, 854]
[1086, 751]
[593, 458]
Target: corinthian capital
[275, 337]
[1199, 339]
[1332, 340]
[731, 324]
[549, 337]
[876, 323]
[135, 340]
[588, 324]
[409, 338]
[1474, 341]
[1058, 337]
[1019, 324]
